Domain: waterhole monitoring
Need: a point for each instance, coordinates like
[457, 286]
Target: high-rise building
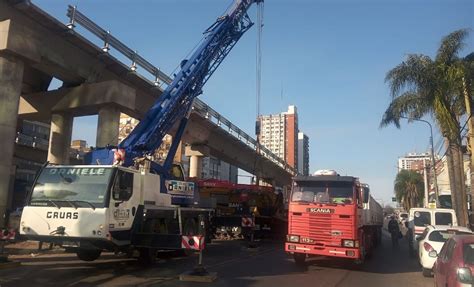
[303, 154]
[279, 133]
[414, 161]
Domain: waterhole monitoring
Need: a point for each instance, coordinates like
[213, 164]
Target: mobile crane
[120, 200]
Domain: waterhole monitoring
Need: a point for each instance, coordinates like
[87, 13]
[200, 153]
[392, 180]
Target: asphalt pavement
[235, 266]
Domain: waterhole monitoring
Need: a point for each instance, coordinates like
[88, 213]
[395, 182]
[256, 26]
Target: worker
[394, 230]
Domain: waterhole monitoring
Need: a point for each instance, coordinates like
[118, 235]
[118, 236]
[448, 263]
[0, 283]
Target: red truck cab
[326, 217]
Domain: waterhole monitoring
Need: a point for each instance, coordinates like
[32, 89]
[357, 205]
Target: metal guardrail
[220, 121]
[199, 106]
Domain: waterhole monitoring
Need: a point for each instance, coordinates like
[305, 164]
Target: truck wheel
[299, 258]
[88, 254]
[426, 272]
[147, 256]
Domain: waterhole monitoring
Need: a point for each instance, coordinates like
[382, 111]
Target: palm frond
[409, 104]
[450, 46]
[411, 75]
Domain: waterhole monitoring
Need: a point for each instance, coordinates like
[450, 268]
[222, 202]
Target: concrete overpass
[35, 47]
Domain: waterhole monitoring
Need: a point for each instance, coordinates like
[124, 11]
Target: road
[236, 266]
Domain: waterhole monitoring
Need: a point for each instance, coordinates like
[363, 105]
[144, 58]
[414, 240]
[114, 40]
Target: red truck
[332, 215]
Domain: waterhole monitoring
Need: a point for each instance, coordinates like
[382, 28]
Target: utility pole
[426, 183]
[433, 159]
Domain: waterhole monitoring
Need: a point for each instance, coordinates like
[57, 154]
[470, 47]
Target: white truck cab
[88, 209]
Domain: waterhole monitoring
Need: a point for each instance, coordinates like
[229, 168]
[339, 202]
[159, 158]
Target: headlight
[464, 275]
[348, 243]
[293, 238]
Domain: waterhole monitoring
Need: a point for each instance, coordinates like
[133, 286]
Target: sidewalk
[30, 248]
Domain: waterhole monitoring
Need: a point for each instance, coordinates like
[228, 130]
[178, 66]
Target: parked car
[432, 239]
[419, 218]
[454, 266]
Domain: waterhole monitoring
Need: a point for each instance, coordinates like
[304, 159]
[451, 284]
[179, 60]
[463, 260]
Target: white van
[419, 218]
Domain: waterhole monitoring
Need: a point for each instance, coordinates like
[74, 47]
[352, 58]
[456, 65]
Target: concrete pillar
[60, 138]
[11, 77]
[195, 164]
[196, 152]
[108, 126]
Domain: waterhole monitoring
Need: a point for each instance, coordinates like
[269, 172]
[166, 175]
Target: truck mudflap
[332, 251]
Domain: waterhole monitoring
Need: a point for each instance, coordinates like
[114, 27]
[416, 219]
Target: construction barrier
[7, 234]
[248, 221]
[197, 242]
[193, 242]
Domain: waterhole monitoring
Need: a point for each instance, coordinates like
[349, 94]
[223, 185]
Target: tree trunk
[459, 186]
[470, 135]
[451, 173]
[462, 183]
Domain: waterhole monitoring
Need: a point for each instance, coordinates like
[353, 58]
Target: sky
[327, 57]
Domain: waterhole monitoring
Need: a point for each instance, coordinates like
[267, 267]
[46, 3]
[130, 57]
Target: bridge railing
[220, 121]
[76, 17]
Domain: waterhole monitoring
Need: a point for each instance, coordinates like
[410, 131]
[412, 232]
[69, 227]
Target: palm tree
[421, 86]
[409, 188]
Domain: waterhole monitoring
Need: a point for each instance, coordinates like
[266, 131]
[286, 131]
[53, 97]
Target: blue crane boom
[175, 103]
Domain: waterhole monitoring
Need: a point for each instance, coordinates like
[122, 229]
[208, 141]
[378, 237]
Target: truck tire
[147, 256]
[299, 258]
[426, 272]
[88, 254]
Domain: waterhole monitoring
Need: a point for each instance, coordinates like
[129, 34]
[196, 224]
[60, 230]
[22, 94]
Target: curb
[9, 264]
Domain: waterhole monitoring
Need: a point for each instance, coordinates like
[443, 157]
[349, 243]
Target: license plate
[306, 240]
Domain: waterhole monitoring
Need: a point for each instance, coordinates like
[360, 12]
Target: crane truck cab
[87, 209]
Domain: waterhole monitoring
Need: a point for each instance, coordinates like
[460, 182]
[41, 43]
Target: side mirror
[433, 254]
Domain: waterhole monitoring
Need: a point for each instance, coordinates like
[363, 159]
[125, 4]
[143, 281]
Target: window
[72, 184]
[422, 218]
[442, 253]
[450, 250]
[123, 187]
[444, 235]
[468, 253]
[443, 218]
[323, 192]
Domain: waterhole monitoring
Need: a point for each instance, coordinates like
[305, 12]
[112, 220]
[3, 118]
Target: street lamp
[432, 155]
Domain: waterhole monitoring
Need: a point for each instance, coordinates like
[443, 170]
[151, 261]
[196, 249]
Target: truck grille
[319, 227]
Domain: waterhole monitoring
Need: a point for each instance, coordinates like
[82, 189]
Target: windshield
[443, 218]
[445, 201]
[422, 218]
[323, 192]
[72, 184]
